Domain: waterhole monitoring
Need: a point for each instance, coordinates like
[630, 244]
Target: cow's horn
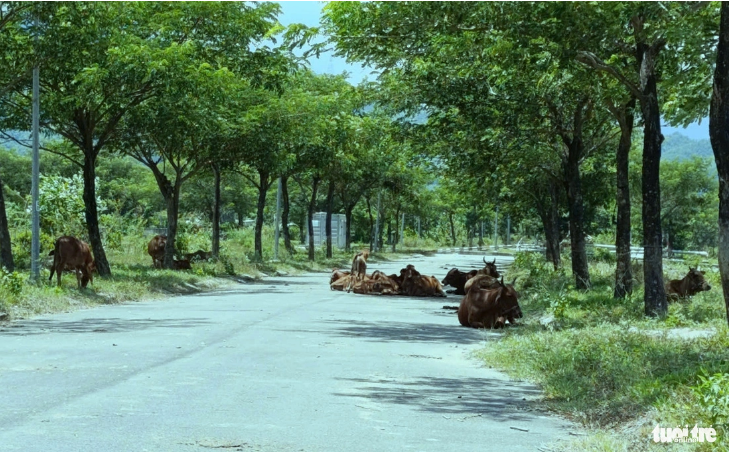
[484, 259]
[501, 281]
[514, 280]
[494, 261]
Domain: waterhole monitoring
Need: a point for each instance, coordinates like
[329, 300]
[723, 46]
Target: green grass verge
[602, 363]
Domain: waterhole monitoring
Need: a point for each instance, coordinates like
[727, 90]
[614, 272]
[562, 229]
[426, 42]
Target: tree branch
[591, 60]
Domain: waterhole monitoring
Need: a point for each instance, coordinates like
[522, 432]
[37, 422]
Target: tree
[719, 139]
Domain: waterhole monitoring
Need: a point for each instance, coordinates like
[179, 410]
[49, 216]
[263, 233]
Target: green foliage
[606, 374]
[712, 395]
[11, 282]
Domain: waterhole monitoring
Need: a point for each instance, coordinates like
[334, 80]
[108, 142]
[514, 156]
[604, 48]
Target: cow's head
[696, 281]
[451, 277]
[490, 268]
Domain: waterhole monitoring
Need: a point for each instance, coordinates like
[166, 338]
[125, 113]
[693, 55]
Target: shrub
[11, 282]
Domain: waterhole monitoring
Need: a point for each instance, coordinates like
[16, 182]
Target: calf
[156, 249]
[489, 308]
[359, 267]
[692, 284]
[70, 253]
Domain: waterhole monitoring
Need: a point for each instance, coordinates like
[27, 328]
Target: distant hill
[680, 147]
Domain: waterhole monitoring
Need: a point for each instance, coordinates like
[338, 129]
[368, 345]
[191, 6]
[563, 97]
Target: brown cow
[70, 253]
[417, 285]
[489, 308]
[692, 284]
[490, 268]
[156, 249]
[359, 268]
[337, 274]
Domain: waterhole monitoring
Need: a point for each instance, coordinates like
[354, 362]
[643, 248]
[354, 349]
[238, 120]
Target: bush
[11, 282]
[712, 395]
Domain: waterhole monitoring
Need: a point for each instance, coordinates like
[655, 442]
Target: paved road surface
[283, 365]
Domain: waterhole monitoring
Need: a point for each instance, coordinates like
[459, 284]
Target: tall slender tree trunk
[372, 223]
[395, 232]
[172, 201]
[571, 169]
[348, 224]
[550, 218]
[6, 254]
[260, 205]
[285, 214]
[719, 139]
[623, 282]
[310, 216]
[328, 216]
[453, 230]
[655, 300]
[92, 215]
[216, 245]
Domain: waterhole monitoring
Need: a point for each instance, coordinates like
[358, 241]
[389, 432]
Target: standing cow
[359, 268]
[156, 250]
[72, 254]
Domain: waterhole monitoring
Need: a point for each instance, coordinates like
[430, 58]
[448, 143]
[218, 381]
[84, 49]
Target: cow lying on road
[692, 284]
[417, 285]
[457, 279]
[489, 307]
[72, 254]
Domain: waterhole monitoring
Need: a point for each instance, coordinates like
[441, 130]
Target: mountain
[680, 147]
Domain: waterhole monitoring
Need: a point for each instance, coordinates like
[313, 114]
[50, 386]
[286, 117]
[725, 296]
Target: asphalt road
[283, 365]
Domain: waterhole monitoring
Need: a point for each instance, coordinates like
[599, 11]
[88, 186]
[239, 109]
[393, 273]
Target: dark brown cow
[359, 268]
[418, 285]
[692, 284]
[72, 254]
[199, 255]
[183, 264]
[456, 279]
[489, 308]
[156, 249]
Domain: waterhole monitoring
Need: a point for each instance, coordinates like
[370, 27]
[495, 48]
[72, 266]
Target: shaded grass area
[603, 363]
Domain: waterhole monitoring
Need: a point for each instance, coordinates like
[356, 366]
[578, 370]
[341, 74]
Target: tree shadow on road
[410, 332]
[95, 325]
[491, 398]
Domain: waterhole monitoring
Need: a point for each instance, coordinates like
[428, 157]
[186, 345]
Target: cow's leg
[59, 272]
[78, 278]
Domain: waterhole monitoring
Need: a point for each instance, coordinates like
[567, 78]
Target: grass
[604, 364]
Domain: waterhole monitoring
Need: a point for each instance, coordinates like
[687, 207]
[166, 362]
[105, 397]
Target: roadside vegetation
[605, 365]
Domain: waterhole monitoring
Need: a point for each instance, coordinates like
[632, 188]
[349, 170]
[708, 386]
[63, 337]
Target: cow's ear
[702, 272]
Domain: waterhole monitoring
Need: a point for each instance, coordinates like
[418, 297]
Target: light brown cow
[359, 268]
[70, 253]
[337, 274]
[489, 308]
[156, 249]
[417, 285]
[692, 284]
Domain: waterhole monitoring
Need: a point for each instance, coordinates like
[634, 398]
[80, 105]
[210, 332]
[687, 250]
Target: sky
[308, 13]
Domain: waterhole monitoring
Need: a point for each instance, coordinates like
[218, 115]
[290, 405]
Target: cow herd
[487, 303]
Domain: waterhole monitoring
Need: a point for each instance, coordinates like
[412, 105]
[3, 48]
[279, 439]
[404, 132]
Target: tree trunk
[6, 254]
[453, 231]
[372, 224]
[216, 245]
[310, 215]
[655, 300]
[172, 200]
[395, 232]
[328, 217]
[719, 139]
[480, 225]
[285, 214]
[571, 170]
[551, 225]
[348, 224]
[92, 216]
[260, 205]
[623, 284]
[239, 214]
